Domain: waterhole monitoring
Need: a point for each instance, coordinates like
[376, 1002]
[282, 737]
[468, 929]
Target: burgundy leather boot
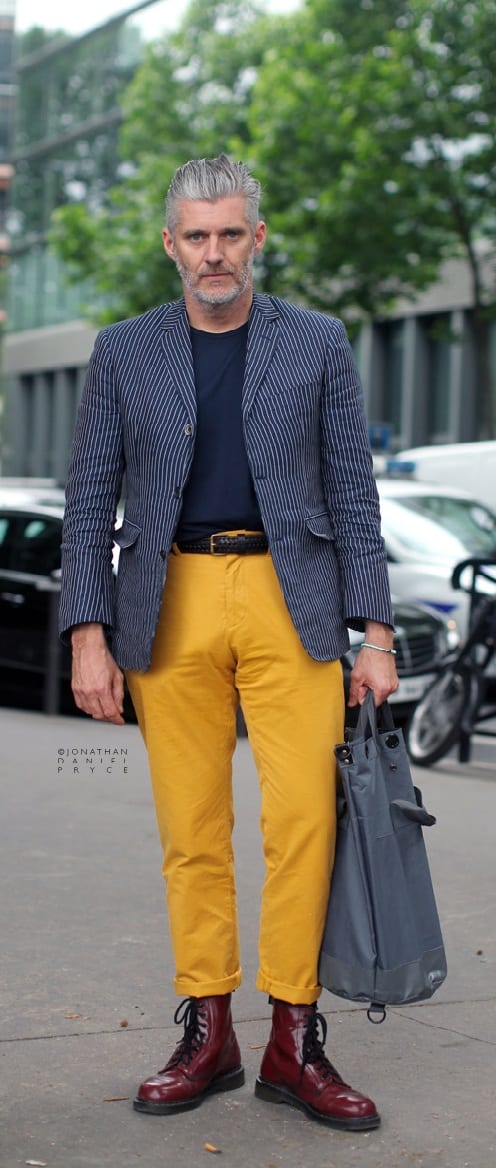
[295, 1070]
[207, 1059]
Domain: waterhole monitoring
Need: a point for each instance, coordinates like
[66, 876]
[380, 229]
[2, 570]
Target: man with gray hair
[250, 542]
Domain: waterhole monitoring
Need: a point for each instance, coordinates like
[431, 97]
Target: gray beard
[220, 299]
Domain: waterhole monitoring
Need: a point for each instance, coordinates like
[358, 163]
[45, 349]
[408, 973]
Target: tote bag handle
[377, 718]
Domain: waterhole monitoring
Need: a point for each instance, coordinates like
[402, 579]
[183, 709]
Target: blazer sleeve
[93, 490]
[351, 490]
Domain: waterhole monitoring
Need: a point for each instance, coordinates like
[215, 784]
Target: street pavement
[86, 972]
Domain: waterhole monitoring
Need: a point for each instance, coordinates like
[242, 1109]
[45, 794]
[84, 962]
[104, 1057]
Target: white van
[468, 465]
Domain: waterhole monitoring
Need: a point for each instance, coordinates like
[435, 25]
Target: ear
[168, 243]
[259, 237]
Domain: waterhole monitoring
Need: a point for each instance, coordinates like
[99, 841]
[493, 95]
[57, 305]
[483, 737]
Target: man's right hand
[97, 681]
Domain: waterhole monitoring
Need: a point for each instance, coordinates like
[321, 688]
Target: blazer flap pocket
[127, 534]
[320, 525]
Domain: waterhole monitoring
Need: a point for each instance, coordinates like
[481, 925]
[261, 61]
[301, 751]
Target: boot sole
[227, 1082]
[272, 1094]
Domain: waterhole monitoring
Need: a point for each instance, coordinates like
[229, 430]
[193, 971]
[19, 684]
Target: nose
[213, 251]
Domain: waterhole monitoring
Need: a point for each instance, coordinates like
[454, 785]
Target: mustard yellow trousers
[224, 635]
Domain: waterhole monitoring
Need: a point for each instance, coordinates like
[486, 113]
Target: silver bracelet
[380, 648]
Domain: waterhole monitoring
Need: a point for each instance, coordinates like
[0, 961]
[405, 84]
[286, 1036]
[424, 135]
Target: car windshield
[439, 527]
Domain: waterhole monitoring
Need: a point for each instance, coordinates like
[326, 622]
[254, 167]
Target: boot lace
[313, 1047]
[189, 1013]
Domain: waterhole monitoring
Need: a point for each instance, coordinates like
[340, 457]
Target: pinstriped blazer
[308, 451]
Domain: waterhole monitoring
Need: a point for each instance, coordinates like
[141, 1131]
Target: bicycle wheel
[437, 719]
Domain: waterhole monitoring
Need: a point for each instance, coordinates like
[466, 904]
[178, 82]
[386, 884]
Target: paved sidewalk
[86, 970]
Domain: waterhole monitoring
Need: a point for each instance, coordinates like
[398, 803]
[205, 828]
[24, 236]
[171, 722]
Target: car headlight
[451, 636]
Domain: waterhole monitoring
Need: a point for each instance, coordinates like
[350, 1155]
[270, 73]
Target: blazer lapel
[176, 345]
[263, 332]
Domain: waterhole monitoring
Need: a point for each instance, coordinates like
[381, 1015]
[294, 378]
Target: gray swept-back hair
[212, 178]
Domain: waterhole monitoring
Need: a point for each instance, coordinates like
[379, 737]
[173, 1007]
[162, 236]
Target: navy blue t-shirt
[219, 494]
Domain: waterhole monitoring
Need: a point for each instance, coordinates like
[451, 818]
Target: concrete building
[418, 364]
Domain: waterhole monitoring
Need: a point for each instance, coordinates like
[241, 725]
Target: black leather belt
[227, 545]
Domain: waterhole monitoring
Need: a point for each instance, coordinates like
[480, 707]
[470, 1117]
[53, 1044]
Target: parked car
[470, 465]
[30, 536]
[428, 529]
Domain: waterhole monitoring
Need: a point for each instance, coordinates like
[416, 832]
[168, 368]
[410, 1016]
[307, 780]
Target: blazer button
[188, 429]
[162, 553]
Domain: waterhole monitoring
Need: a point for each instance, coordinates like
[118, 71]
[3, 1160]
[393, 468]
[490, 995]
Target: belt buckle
[216, 551]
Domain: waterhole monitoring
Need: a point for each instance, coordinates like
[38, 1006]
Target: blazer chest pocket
[126, 534]
[320, 525]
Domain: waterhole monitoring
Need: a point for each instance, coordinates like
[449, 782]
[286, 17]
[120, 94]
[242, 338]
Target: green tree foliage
[379, 153]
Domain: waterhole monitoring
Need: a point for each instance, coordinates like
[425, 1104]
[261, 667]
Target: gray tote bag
[382, 941]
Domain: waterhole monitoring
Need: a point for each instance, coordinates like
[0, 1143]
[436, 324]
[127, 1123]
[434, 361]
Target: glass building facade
[7, 104]
[7, 78]
[66, 148]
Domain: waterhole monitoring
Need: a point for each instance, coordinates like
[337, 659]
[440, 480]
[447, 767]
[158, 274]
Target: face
[213, 247]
